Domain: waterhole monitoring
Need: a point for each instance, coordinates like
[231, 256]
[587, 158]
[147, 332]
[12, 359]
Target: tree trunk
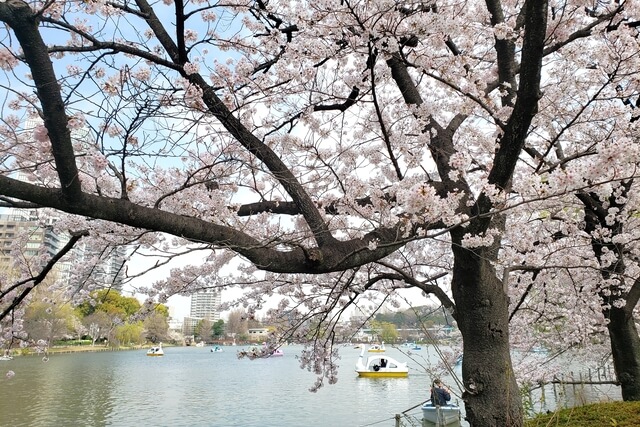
[623, 334]
[491, 395]
[625, 348]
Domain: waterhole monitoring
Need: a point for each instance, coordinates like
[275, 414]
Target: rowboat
[443, 415]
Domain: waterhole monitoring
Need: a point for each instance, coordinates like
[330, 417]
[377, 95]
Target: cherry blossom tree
[575, 274]
[580, 285]
[612, 227]
[338, 146]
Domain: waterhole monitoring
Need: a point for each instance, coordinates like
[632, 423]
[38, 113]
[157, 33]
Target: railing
[571, 384]
[403, 415]
[570, 389]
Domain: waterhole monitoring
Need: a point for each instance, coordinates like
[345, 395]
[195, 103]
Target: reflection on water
[48, 393]
[193, 387]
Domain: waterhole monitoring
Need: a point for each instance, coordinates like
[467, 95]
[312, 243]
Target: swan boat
[377, 348]
[156, 351]
[277, 353]
[441, 415]
[380, 366]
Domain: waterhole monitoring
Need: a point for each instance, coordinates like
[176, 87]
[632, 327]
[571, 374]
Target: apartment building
[205, 304]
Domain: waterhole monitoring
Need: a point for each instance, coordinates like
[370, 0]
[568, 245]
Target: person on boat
[440, 394]
[383, 363]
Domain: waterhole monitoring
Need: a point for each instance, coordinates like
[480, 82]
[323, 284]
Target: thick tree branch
[505, 50]
[633, 296]
[351, 100]
[182, 50]
[404, 81]
[422, 285]
[332, 208]
[19, 16]
[335, 256]
[158, 29]
[526, 104]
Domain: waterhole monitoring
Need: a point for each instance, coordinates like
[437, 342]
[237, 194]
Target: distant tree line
[207, 330]
[107, 317]
[420, 317]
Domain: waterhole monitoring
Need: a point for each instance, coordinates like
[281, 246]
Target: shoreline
[72, 349]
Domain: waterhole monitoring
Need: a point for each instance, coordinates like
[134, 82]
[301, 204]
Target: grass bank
[614, 414]
[58, 349]
[89, 349]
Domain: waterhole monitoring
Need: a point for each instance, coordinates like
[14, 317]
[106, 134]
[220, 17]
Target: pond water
[192, 386]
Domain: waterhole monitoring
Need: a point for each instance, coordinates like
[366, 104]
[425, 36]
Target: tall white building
[205, 304]
[108, 272]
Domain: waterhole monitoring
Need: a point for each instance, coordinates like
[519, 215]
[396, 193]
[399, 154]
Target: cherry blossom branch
[102, 45]
[246, 138]
[383, 127]
[19, 16]
[526, 104]
[411, 95]
[586, 31]
[576, 35]
[342, 107]
[526, 292]
[423, 285]
[576, 116]
[75, 237]
[341, 254]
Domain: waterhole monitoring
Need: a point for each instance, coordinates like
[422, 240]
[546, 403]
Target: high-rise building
[19, 223]
[108, 271]
[205, 304]
[41, 238]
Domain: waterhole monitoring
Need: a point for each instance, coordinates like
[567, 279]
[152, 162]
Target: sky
[179, 306]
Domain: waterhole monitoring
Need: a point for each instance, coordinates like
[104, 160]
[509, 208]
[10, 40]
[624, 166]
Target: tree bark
[491, 395]
[625, 348]
[623, 333]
